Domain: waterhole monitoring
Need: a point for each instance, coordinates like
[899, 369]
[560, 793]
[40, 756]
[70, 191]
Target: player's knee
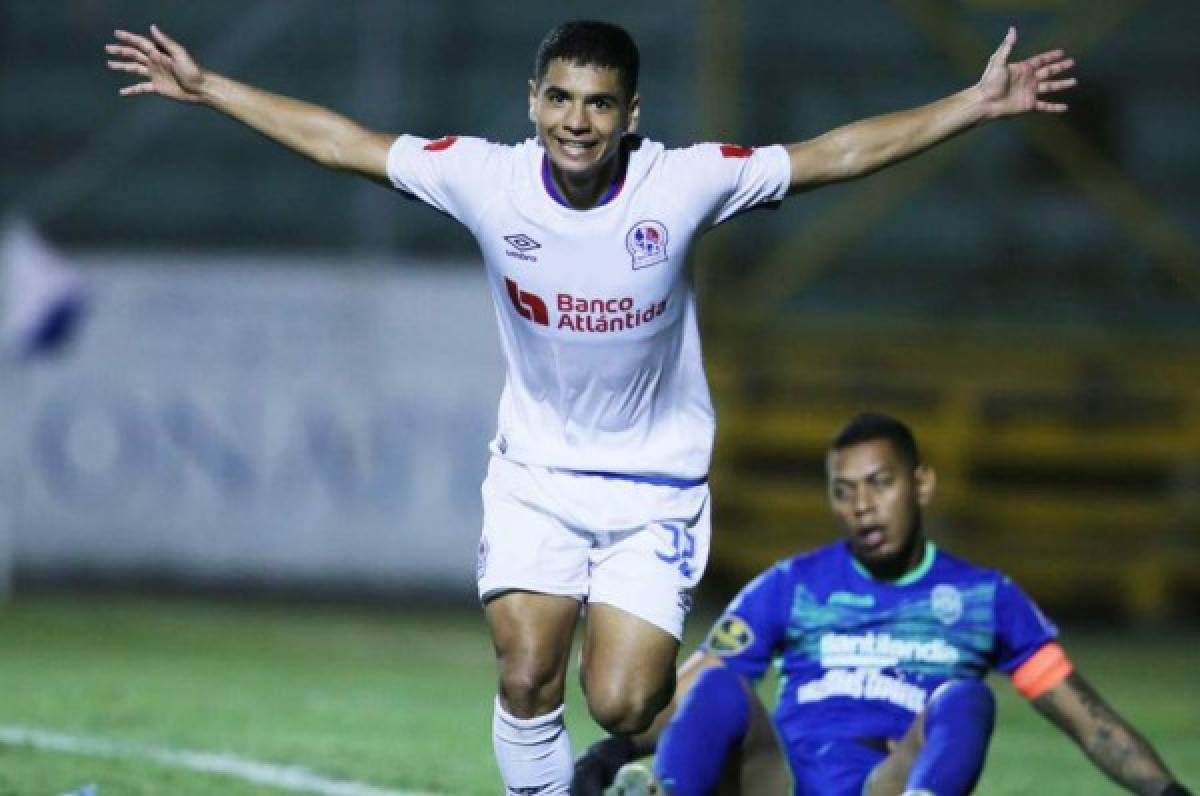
[625, 709]
[968, 697]
[624, 717]
[530, 688]
[974, 693]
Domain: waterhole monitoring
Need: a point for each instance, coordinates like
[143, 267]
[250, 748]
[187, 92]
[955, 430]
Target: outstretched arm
[1115, 747]
[326, 137]
[1005, 89]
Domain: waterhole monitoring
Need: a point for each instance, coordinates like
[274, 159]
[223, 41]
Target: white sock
[534, 755]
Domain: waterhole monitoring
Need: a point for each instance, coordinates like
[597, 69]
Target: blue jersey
[861, 657]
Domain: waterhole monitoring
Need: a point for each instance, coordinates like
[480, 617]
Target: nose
[576, 119]
[862, 503]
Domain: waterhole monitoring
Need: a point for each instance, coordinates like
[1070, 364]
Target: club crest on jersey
[730, 636]
[947, 603]
[647, 243]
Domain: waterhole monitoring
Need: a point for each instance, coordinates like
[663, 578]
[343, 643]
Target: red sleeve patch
[735, 151]
[440, 144]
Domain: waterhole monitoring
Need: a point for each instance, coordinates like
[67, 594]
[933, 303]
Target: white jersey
[596, 309]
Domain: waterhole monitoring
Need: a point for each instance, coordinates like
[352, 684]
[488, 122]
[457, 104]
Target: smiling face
[580, 114]
[877, 496]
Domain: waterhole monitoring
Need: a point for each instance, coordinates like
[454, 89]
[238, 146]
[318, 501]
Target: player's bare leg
[532, 635]
[759, 766]
[889, 777]
[628, 670]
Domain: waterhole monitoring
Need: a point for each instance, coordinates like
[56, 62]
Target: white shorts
[639, 546]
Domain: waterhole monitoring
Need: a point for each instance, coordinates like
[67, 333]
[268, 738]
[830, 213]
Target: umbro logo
[523, 244]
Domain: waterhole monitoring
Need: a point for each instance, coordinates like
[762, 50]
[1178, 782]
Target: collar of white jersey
[629, 144]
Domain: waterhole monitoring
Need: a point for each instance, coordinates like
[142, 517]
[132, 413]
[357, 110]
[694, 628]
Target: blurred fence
[1073, 467]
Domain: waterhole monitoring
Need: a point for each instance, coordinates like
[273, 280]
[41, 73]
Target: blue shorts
[832, 768]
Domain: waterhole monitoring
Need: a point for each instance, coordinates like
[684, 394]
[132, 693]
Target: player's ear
[926, 478]
[533, 100]
[635, 112]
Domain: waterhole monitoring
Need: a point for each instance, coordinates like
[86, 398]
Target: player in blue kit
[883, 643]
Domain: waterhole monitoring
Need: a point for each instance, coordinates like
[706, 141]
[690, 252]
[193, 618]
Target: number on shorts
[683, 548]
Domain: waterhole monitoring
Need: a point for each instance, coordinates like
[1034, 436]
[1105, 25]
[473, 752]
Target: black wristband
[1175, 789]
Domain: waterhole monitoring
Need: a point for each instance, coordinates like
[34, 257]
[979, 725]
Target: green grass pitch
[401, 699]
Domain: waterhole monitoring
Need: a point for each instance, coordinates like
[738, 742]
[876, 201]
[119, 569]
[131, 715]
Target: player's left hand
[597, 767]
[1009, 89]
[166, 68]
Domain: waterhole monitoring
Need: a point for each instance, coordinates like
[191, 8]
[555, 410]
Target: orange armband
[1045, 669]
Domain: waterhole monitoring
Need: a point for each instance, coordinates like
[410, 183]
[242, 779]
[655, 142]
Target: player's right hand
[596, 768]
[167, 67]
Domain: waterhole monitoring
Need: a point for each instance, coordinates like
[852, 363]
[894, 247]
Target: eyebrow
[880, 470]
[587, 97]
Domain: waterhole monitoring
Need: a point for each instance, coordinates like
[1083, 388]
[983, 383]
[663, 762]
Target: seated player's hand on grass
[596, 768]
[1008, 89]
[168, 68]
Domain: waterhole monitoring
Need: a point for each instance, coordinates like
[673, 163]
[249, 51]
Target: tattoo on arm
[1111, 743]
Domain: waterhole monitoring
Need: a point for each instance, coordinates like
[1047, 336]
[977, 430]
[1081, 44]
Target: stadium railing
[1074, 467]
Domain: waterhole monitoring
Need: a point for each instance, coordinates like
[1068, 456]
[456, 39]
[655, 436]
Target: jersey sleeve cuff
[400, 149]
[784, 168]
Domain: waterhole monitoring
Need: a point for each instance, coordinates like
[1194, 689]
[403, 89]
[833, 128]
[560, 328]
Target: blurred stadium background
[284, 379]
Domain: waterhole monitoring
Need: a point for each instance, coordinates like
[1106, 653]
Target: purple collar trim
[556, 195]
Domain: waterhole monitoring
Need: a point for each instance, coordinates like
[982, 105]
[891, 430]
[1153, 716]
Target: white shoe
[635, 779]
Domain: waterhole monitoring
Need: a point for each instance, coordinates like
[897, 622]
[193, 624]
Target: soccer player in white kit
[596, 491]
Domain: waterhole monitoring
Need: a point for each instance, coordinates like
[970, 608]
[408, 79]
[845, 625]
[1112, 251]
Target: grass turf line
[402, 700]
